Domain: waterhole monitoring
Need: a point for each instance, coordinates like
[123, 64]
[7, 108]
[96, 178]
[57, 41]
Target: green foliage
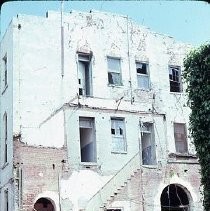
[197, 76]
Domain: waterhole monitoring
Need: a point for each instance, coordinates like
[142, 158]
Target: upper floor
[96, 59]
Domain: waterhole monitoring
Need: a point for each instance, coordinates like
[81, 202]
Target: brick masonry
[40, 170]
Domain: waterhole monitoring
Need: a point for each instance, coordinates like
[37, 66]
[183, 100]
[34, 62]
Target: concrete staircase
[114, 185]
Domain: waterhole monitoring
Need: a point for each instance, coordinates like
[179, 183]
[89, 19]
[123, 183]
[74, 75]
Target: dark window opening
[6, 200]
[175, 79]
[148, 144]
[84, 75]
[142, 75]
[174, 198]
[112, 131]
[43, 204]
[87, 139]
[141, 68]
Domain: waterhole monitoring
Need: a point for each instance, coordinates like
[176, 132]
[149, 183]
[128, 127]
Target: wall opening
[180, 136]
[118, 135]
[84, 75]
[87, 139]
[148, 144]
[174, 198]
[175, 79]
[43, 204]
[142, 75]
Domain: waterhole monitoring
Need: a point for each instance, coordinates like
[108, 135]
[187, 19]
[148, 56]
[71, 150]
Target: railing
[117, 181]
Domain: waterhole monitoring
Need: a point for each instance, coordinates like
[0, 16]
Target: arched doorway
[43, 204]
[174, 198]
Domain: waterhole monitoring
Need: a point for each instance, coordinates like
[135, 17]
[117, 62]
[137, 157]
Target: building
[94, 117]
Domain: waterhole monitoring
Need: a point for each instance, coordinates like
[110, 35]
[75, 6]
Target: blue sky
[187, 21]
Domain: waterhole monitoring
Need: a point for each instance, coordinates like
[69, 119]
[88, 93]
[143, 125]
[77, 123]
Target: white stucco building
[94, 117]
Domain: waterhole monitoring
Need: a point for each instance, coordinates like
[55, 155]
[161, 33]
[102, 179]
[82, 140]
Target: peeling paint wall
[6, 107]
[47, 105]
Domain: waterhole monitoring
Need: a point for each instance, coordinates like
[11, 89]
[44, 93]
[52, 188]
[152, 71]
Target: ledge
[89, 165]
[182, 158]
[182, 155]
[120, 152]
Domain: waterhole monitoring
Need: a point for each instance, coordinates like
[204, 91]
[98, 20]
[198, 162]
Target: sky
[186, 21]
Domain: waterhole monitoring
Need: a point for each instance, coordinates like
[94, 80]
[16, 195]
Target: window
[180, 137]
[5, 70]
[114, 71]
[175, 79]
[142, 75]
[6, 200]
[148, 144]
[5, 137]
[84, 74]
[87, 139]
[118, 135]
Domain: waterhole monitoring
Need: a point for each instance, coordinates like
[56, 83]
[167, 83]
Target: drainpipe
[129, 65]
[59, 193]
[62, 41]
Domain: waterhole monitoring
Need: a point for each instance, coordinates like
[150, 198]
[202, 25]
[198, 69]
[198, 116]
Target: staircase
[114, 185]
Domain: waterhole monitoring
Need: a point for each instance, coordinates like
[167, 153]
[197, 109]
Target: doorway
[174, 198]
[43, 204]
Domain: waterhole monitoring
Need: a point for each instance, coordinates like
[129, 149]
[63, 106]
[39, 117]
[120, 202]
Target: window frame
[5, 76]
[179, 81]
[6, 200]
[148, 128]
[143, 75]
[5, 132]
[184, 141]
[86, 60]
[118, 136]
[119, 72]
[88, 123]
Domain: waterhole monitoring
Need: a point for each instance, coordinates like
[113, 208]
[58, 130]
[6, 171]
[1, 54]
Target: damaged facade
[94, 117]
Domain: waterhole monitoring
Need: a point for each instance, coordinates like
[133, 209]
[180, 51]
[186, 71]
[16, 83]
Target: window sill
[179, 93]
[4, 166]
[4, 90]
[88, 165]
[119, 152]
[155, 166]
[115, 85]
[144, 89]
[182, 155]
[182, 158]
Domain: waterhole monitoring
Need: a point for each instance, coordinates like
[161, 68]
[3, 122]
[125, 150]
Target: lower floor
[44, 181]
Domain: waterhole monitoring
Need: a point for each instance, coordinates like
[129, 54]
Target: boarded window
[87, 139]
[114, 71]
[180, 137]
[84, 74]
[142, 75]
[148, 144]
[175, 79]
[118, 135]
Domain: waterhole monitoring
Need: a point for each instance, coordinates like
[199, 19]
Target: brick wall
[144, 188]
[40, 170]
